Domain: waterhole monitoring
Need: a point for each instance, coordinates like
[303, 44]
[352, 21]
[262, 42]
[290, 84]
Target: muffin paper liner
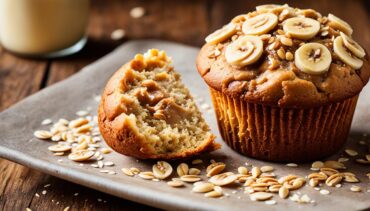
[283, 134]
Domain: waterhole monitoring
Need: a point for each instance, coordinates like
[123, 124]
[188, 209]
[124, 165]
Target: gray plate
[65, 98]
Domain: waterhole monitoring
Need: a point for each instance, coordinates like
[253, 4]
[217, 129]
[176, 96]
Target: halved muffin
[146, 112]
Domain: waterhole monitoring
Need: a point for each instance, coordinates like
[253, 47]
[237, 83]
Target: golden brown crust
[286, 87]
[121, 133]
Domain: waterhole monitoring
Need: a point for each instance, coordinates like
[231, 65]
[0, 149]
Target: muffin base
[283, 134]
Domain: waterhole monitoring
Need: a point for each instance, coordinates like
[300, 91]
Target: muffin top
[286, 57]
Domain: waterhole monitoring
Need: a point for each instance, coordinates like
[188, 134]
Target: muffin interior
[160, 107]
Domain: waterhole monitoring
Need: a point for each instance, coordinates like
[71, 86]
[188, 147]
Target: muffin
[284, 82]
[146, 112]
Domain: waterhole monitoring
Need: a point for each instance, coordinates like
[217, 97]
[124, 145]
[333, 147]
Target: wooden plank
[19, 77]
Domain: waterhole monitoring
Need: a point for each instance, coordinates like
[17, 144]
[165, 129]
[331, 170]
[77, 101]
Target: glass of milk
[43, 28]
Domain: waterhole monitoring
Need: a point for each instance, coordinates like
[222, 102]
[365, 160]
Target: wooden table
[185, 21]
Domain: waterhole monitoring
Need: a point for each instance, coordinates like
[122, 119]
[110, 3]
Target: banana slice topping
[339, 24]
[260, 24]
[353, 46]
[301, 27]
[273, 8]
[313, 58]
[221, 34]
[345, 55]
[244, 51]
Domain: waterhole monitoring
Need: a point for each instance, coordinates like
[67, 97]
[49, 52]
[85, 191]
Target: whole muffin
[147, 112]
[284, 82]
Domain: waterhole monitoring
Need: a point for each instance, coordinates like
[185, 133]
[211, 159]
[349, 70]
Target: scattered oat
[362, 161]
[324, 192]
[44, 192]
[270, 202]
[182, 169]
[260, 196]
[58, 153]
[196, 161]
[82, 113]
[59, 148]
[292, 165]
[111, 172]
[105, 150]
[135, 170]
[137, 12]
[351, 152]
[194, 171]
[267, 168]
[203, 187]
[334, 164]
[80, 155]
[175, 183]
[342, 160]
[190, 178]
[162, 170]
[317, 164]
[108, 163]
[213, 194]
[243, 170]
[215, 168]
[283, 192]
[355, 188]
[128, 172]
[223, 179]
[148, 175]
[42, 134]
[46, 122]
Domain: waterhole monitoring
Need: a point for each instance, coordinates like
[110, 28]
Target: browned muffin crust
[278, 82]
[133, 108]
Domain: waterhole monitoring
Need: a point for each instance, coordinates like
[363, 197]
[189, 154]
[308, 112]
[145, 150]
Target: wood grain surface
[185, 21]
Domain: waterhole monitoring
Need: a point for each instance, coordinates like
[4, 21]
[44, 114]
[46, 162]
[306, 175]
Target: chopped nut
[286, 41]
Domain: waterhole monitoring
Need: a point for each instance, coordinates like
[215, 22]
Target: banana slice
[353, 46]
[260, 24]
[221, 34]
[345, 55]
[339, 24]
[301, 27]
[245, 50]
[313, 58]
[272, 8]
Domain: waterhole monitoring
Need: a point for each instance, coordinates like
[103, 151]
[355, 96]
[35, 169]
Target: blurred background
[110, 24]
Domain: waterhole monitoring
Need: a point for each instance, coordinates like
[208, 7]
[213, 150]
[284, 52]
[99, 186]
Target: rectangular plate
[77, 92]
